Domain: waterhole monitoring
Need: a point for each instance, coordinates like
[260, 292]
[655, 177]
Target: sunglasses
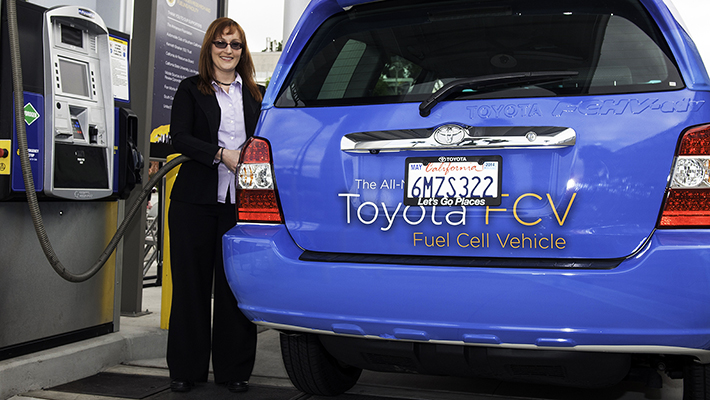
[223, 45]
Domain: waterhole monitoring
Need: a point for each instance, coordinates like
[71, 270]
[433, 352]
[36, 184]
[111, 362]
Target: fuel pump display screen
[74, 77]
[72, 36]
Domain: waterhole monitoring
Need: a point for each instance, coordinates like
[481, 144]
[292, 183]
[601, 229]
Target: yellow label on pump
[5, 156]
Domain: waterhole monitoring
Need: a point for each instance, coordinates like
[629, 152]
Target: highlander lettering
[624, 106]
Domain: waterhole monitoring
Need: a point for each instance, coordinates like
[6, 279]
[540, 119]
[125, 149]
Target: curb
[79, 360]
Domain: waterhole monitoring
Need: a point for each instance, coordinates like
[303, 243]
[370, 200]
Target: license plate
[453, 181]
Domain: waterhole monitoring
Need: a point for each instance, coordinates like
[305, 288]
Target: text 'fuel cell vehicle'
[509, 189]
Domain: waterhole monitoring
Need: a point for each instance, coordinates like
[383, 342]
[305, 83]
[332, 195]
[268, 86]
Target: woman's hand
[230, 158]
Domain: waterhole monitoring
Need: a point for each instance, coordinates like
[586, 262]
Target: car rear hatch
[479, 130]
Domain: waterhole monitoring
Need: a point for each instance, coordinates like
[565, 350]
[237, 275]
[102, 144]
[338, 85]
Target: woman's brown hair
[245, 68]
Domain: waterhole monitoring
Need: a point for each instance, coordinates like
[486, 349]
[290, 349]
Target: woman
[213, 114]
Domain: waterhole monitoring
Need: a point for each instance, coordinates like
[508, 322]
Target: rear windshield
[404, 51]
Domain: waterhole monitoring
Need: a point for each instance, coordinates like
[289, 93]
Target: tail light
[688, 199]
[257, 200]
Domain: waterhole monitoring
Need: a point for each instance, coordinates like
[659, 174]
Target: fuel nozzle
[93, 134]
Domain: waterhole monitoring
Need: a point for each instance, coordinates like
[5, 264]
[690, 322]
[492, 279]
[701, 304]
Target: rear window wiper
[491, 80]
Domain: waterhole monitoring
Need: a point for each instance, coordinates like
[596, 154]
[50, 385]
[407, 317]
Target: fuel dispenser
[70, 121]
[78, 133]
[82, 154]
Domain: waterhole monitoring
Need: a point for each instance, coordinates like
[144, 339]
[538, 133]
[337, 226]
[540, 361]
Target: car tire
[696, 382]
[312, 369]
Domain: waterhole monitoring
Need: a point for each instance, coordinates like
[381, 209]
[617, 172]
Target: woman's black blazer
[194, 122]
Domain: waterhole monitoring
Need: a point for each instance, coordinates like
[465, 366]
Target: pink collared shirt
[231, 134]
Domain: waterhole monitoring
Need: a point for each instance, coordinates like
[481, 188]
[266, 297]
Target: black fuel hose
[35, 213]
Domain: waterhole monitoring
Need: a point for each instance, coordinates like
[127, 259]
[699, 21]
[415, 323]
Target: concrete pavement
[139, 348]
[138, 338]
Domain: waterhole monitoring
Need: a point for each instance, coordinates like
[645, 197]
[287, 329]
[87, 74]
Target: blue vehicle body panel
[658, 298]
[617, 172]
[601, 197]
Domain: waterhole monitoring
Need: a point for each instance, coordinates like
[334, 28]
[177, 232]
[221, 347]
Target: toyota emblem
[450, 134]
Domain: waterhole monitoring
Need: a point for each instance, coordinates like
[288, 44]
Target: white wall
[292, 12]
[695, 14]
[265, 63]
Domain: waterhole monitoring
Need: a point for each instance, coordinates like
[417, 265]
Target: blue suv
[510, 189]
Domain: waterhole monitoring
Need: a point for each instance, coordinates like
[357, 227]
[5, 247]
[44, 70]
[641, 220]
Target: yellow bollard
[167, 293]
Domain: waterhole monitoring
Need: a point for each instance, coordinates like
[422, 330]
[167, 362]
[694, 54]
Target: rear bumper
[657, 302]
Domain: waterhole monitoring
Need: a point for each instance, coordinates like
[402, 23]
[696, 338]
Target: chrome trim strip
[703, 356]
[475, 138]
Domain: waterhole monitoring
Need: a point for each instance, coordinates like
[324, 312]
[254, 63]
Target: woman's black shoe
[179, 385]
[238, 386]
